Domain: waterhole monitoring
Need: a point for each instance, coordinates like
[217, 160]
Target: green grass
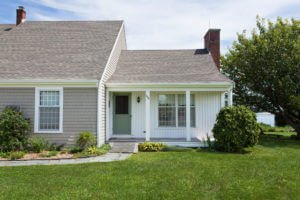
[270, 171]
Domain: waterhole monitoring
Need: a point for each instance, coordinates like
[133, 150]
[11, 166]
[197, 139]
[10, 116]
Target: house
[72, 76]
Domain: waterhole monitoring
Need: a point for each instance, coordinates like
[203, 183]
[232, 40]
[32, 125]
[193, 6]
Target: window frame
[176, 110]
[38, 90]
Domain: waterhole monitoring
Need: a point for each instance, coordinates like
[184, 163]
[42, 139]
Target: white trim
[222, 96]
[36, 108]
[188, 115]
[101, 81]
[170, 89]
[230, 98]
[107, 129]
[147, 113]
[47, 83]
[111, 53]
[178, 84]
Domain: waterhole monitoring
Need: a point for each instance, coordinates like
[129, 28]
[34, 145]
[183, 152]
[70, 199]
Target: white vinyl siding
[110, 68]
[49, 110]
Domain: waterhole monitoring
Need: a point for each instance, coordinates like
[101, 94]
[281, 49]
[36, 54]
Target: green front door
[122, 114]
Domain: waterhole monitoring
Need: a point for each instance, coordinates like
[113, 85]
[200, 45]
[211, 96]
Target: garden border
[108, 157]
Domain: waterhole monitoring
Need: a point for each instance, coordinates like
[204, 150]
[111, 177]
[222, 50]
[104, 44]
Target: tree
[266, 69]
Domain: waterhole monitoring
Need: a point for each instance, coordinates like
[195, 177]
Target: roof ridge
[49, 21]
[162, 49]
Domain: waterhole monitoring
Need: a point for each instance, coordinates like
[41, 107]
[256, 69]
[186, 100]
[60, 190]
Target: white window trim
[37, 110]
[176, 107]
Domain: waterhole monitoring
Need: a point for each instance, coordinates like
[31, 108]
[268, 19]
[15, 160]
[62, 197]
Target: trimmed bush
[151, 146]
[235, 129]
[86, 139]
[14, 130]
[14, 155]
[37, 144]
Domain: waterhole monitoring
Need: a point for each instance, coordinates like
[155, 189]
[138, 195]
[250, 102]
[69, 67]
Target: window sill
[48, 132]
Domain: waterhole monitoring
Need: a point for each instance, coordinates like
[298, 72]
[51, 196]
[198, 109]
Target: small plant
[210, 144]
[151, 146]
[236, 128]
[14, 130]
[55, 147]
[49, 154]
[75, 149]
[86, 139]
[4, 155]
[37, 144]
[14, 155]
[94, 151]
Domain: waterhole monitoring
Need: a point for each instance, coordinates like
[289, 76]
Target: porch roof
[166, 66]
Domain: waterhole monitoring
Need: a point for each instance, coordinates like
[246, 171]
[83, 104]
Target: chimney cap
[212, 30]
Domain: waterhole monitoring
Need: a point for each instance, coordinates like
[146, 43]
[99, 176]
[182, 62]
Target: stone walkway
[109, 157]
[123, 147]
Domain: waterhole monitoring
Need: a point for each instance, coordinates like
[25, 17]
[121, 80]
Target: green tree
[265, 67]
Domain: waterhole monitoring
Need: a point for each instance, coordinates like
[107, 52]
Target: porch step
[123, 147]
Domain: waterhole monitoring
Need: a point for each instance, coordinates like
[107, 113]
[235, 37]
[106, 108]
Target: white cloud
[168, 24]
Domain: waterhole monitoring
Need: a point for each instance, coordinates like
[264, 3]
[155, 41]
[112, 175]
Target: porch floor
[195, 142]
[113, 139]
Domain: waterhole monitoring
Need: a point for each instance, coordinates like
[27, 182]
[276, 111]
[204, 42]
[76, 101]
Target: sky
[160, 24]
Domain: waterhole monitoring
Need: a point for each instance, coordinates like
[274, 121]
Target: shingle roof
[57, 50]
[166, 66]
[5, 27]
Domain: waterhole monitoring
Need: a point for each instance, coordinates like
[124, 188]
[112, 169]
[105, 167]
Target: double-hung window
[172, 110]
[48, 110]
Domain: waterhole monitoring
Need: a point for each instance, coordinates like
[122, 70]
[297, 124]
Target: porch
[175, 116]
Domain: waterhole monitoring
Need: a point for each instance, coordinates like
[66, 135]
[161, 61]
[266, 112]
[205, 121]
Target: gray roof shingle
[166, 66]
[57, 50]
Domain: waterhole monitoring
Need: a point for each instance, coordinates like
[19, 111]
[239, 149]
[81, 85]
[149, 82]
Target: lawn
[270, 171]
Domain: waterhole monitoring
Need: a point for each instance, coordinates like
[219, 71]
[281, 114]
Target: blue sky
[160, 24]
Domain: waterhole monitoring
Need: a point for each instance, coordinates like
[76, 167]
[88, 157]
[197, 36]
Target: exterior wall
[79, 111]
[208, 104]
[109, 70]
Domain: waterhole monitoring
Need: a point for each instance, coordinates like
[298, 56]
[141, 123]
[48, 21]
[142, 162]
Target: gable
[64, 50]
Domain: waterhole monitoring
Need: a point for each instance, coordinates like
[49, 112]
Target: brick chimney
[21, 15]
[212, 44]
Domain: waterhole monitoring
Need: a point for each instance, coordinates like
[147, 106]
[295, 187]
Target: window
[226, 99]
[172, 110]
[122, 104]
[48, 110]
[167, 110]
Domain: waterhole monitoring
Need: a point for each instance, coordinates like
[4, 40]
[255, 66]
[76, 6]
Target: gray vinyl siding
[80, 111]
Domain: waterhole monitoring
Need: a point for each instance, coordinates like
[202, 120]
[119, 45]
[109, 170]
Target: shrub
[235, 129]
[14, 155]
[86, 139]
[75, 149]
[14, 130]
[4, 155]
[151, 146]
[55, 147]
[37, 144]
[95, 151]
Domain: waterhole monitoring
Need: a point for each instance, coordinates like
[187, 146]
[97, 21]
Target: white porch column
[222, 99]
[188, 114]
[147, 112]
[230, 98]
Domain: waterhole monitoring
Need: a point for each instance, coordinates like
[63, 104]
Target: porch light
[138, 99]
